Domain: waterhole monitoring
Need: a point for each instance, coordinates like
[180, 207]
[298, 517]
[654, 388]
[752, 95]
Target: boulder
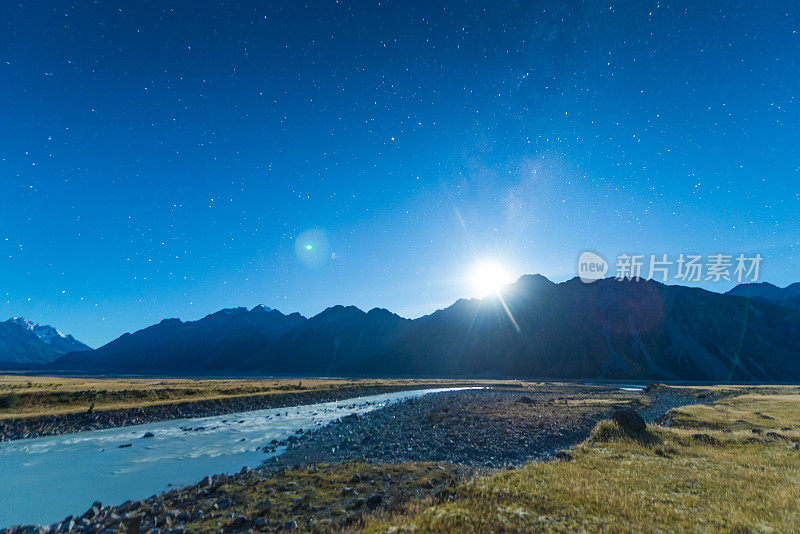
[628, 420]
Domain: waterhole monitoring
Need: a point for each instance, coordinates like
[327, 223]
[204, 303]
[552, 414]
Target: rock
[206, 482]
[126, 445]
[526, 400]
[260, 522]
[356, 479]
[349, 491]
[628, 420]
[148, 435]
[351, 417]
[374, 500]
[239, 521]
[564, 456]
[93, 511]
[290, 525]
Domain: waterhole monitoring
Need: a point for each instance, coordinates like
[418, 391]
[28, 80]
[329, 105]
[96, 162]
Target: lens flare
[312, 248]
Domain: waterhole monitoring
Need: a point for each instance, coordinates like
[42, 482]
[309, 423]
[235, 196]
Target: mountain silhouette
[629, 329]
[786, 296]
[23, 342]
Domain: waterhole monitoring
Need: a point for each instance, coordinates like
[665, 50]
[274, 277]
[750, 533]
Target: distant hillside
[218, 342]
[786, 296]
[608, 329]
[23, 342]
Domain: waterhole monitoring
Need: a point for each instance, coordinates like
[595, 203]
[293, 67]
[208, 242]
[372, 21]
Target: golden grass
[743, 412]
[37, 396]
[34, 396]
[725, 479]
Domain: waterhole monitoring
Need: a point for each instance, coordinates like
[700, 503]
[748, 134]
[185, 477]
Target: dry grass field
[730, 467]
[35, 396]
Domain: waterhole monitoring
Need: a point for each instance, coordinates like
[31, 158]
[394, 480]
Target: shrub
[9, 401]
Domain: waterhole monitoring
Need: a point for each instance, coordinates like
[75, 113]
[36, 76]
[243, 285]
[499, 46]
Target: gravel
[476, 430]
[481, 428]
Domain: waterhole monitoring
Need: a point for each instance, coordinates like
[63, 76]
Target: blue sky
[161, 159]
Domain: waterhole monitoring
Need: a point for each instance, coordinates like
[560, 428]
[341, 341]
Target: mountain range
[786, 296]
[23, 342]
[630, 329]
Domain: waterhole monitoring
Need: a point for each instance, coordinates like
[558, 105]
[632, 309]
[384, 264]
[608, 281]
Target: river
[42, 480]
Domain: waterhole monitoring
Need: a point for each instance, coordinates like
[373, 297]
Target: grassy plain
[34, 396]
[730, 467]
[733, 466]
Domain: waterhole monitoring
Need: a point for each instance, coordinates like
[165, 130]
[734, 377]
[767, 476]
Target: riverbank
[43, 406]
[388, 463]
[726, 467]
[489, 428]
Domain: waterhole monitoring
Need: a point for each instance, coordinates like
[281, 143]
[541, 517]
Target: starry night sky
[161, 159]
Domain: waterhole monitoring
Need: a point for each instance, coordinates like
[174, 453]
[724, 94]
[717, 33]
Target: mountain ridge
[536, 328]
[787, 296]
[25, 342]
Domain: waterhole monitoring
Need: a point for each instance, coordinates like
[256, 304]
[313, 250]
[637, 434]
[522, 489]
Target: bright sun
[489, 277]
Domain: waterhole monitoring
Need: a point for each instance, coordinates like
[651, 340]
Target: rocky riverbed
[33, 427]
[490, 428]
[359, 467]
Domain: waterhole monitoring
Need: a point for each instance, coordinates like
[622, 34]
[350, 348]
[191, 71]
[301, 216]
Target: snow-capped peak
[46, 333]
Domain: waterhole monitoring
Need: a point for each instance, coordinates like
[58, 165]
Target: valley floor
[723, 459]
[34, 406]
